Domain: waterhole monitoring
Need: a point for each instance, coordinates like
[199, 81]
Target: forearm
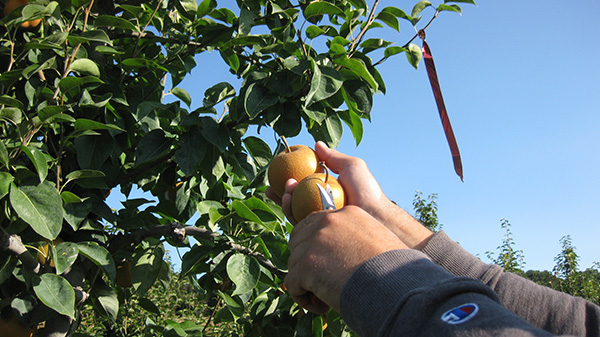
[402, 293]
[543, 307]
[405, 226]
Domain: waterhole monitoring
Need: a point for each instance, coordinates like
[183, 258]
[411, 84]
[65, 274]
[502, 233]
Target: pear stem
[322, 164]
[287, 146]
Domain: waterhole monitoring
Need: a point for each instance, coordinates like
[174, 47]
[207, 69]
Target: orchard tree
[82, 113]
[509, 258]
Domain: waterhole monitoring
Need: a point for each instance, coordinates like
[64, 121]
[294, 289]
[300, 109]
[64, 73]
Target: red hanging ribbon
[439, 100]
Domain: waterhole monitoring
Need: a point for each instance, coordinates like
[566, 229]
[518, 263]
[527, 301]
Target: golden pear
[297, 162]
[306, 197]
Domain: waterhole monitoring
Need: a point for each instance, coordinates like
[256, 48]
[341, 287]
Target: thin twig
[70, 61]
[364, 30]
[146, 27]
[413, 38]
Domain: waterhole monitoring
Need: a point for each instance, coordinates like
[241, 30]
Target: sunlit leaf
[183, 95]
[419, 7]
[38, 205]
[414, 54]
[100, 256]
[322, 8]
[244, 271]
[85, 66]
[56, 292]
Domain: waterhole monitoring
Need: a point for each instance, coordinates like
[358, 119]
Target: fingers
[286, 200]
[334, 159]
[271, 195]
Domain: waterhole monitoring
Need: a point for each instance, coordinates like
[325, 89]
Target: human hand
[361, 190]
[359, 185]
[325, 250]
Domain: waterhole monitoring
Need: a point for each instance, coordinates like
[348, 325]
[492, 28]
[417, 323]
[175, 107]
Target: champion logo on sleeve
[460, 314]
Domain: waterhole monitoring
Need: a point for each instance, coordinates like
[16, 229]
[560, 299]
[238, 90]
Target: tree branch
[178, 232]
[13, 245]
[365, 28]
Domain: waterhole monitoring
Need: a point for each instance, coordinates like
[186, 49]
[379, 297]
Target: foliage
[569, 279]
[426, 211]
[83, 112]
[509, 258]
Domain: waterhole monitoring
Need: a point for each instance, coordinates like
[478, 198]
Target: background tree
[509, 258]
[426, 211]
[572, 281]
[83, 112]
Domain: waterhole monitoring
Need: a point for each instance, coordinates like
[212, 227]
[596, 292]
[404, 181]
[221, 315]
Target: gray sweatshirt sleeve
[543, 307]
[403, 293]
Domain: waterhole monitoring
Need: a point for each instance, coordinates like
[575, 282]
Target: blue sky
[520, 83]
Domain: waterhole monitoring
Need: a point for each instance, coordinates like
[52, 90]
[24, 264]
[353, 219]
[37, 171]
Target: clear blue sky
[520, 82]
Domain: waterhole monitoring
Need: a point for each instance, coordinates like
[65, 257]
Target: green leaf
[97, 35]
[244, 271]
[326, 81]
[217, 93]
[257, 99]
[70, 82]
[354, 123]
[108, 50]
[142, 63]
[333, 130]
[314, 31]
[389, 19]
[76, 212]
[114, 22]
[322, 8]
[358, 97]
[4, 159]
[234, 305]
[12, 115]
[192, 149]
[85, 66]
[370, 45]
[450, 8]
[9, 101]
[148, 305]
[230, 58]
[56, 292]
[82, 124]
[390, 51]
[100, 256]
[70, 197]
[38, 205]
[82, 174]
[244, 212]
[146, 269]
[398, 13]
[360, 69]
[419, 7]
[259, 150]
[154, 144]
[38, 159]
[108, 299]
[205, 7]
[5, 180]
[50, 111]
[414, 55]
[183, 95]
[66, 254]
[216, 133]
[463, 1]
[205, 206]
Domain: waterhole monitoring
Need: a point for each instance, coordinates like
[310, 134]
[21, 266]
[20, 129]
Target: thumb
[334, 159]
